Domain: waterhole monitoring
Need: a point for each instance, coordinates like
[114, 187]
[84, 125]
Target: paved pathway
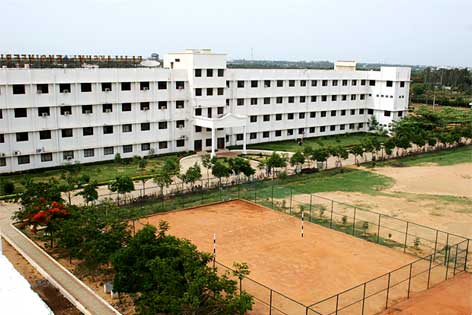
[71, 287]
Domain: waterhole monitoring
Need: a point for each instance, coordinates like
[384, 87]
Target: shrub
[8, 187]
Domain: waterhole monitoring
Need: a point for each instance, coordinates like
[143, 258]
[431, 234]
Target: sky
[424, 32]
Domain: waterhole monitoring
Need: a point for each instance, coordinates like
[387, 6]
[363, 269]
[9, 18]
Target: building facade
[53, 116]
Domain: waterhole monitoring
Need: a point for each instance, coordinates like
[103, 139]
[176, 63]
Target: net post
[270, 302]
[435, 245]
[354, 222]
[272, 195]
[466, 255]
[337, 303]
[311, 199]
[409, 282]
[455, 260]
[429, 270]
[388, 289]
[406, 237]
[363, 298]
[378, 229]
[331, 217]
[447, 253]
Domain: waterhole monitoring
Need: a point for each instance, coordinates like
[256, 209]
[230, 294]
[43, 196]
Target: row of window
[333, 113]
[304, 83]
[300, 99]
[209, 73]
[18, 89]
[87, 153]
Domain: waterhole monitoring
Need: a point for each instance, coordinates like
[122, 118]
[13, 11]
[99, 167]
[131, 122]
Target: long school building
[53, 116]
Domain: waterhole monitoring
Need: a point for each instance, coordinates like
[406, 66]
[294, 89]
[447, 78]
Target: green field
[101, 172]
[447, 157]
[292, 145]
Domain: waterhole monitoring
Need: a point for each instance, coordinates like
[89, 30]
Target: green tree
[89, 192]
[357, 150]
[192, 175]
[163, 179]
[207, 164]
[297, 160]
[220, 170]
[275, 161]
[321, 155]
[121, 185]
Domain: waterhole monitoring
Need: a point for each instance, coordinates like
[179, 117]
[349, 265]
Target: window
[291, 99]
[266, 100]
[108, 151]
[290, 116]
[179, 104]
[342, 127]
[145, 126]
[332, 128]
[266, 83]
[278, 133]
[144, 106]
[301, 116]
[208, 142]
[333, 98]
[209, 91]
[127, 148]
[240, 101]
[279, 100]
[198, 92]
[314, 82]
[162, 125]
[302, 82]
[312, 114]
[179, 85]
[106, 87]
[291, 83]
[220, 91]
[67, 133]
[372, 83]
[18, 89]
[198, 73]
[253, 119]
[162, 85]
[42, 89]
[144, 86]
[254, 84]
[253, 101]
[240, 84]
[353, 111]
[278, 116]
[145, 146]
[64, 88]
[323, 114]
[21, 112]
[370, 111]
[400, 114]
[344, 82]
[107, 130]
[362, 82]
[221, 72]
[2, 138]
[362, 96]
[87, 109]
[23, 159]
[1, 114]
[387, 113]
[127, 128]
[85, 87]
[180, 143]
[227, 84]
[389, 83]
[209, 73]
[266, 118]
[239, 137]
[344, 98]
[89, 153]
[21, 136]
[43, 111]
[198, 129]
[343, 112]
[66, 110]
[162, 105]
[68, 155]
[289, 132]
[280, 83]
[126, 107]
[87, 131]
[3, 162]
[354, 82]
[402, 84]
[301, 131]
[265, 134]
[360, 125]
[107, 108]
[351, 126]
[162, 145]
[302, 99]
[353, 97]
[335, 83]
[198, 111]
[44, 134]
[322, 129]
[313, 98]
[324, 98]
[126, 86]
[333, 113]
[253, 135]
[312, 130]
[361, 111]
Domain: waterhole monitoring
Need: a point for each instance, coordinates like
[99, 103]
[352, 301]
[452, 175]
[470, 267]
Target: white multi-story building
[53, 116]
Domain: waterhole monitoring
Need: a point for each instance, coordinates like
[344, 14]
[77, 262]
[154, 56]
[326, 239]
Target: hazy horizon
[437, 33]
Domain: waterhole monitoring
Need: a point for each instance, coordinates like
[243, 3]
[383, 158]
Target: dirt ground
[452, 297]
[454, 180]
[307, 269]
[51, 296]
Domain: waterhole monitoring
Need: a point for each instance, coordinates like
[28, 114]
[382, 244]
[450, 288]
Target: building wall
[156, 114]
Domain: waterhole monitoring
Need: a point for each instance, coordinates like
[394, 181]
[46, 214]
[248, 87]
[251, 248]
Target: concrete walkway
[71, 287]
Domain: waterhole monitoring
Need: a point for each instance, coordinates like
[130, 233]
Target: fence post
[447, 253]
[429, 270]
[272, 195]
[409, 282]
[466, 255]
[354, 223]
[435, 245]
[331, 218]
[337, 303]
[363, 298]
[290, 201]
[406, 236]
[378, 229]
[270, 302]
[388, 289]
[455, 260]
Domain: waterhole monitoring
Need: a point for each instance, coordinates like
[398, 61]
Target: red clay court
[307, 269]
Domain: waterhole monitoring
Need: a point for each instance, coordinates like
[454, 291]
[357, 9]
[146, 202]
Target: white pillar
[213, 142]
[244, 140]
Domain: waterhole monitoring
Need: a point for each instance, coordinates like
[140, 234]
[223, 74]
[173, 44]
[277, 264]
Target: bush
[8, 187]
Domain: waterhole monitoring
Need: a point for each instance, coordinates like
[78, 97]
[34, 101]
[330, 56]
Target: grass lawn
[101, 172]
[292, 145]
[447, 157]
